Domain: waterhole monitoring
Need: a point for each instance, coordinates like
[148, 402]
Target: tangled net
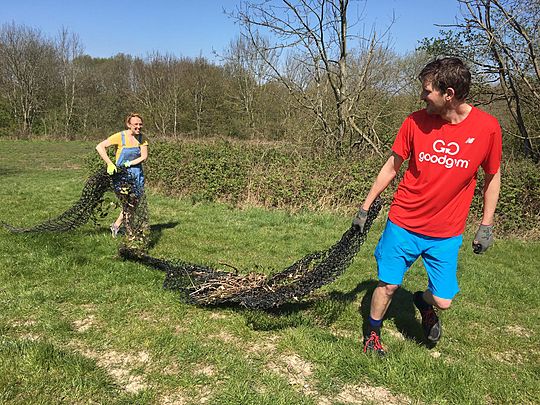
[203, 285]
[93, 205]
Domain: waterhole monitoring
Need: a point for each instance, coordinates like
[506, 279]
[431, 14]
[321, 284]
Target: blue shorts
[399, 248]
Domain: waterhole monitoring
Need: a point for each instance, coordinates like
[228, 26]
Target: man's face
[434, 99]
[135, 124]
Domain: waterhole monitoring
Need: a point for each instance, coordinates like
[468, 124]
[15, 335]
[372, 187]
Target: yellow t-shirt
[116, 139]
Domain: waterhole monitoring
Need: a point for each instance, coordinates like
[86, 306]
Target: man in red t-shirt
[445, 144]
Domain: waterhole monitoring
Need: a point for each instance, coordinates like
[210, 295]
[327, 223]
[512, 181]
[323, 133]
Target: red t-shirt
[435, 194]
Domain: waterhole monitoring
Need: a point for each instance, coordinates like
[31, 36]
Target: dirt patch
[224, 337]
[150, 317]
[83, 325]
[205, 369]
[264, 345]
[509, 357]
[297, 371]
[518, 331]
[30, 336]
[181, 330]
[435, 354]
[217, 315]
[203, 396]
[171, 369]
[364, 394]
[176, 398]
[23, 323]
[299, 374]
[120, 366]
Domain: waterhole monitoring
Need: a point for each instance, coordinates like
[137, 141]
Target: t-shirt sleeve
[115, 139]
[144, 141]
[492, 161]
[403, 142]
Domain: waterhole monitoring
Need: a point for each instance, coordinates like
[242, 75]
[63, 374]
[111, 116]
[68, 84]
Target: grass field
[78, 325]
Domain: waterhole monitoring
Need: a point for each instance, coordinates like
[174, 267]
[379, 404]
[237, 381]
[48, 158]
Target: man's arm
[386, 175]
[484, 236]
[388, 172]
[492, 187]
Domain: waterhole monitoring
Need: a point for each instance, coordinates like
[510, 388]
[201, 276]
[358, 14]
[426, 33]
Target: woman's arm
[144, 155]
[102, 150]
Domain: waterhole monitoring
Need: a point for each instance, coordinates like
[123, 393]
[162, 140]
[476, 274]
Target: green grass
[79, 325]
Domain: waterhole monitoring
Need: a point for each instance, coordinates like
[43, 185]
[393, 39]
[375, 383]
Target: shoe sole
[435, 333]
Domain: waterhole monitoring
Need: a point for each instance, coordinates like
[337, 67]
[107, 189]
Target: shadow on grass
[156, 232]
[323, 310]
[319, 309]
[9, 171]
[402, 311]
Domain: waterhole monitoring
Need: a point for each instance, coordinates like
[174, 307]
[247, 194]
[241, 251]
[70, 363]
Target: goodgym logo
[444, 155]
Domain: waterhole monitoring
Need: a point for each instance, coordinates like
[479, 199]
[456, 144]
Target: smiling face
[436, 102]
[135, 124]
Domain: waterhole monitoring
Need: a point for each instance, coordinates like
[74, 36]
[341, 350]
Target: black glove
[483, 239]
[359, 220]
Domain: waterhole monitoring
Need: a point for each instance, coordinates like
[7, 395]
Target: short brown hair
[448, 72]
[132, 115]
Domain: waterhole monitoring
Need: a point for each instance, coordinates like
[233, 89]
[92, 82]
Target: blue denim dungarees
[135, 172]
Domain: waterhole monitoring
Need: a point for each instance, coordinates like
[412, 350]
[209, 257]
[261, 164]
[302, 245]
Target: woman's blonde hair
[132, 115]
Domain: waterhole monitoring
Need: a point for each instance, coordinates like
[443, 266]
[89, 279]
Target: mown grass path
[78, 325]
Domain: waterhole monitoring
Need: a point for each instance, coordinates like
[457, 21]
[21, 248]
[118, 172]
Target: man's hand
[359, 220]
[111, 168]
[127, 163]
[483, 239]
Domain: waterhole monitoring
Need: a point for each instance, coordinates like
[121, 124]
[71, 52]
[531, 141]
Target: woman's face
[135, 125]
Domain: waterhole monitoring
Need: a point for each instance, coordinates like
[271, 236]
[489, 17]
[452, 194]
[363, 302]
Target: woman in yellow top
[131, 151]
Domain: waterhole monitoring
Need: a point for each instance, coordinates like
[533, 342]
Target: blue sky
[197, 27]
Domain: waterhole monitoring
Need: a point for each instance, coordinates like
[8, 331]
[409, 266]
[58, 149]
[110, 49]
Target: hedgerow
[288, 177]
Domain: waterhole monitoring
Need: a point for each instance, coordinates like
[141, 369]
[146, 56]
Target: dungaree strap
[123, 139]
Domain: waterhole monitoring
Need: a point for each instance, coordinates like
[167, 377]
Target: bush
[286, 177]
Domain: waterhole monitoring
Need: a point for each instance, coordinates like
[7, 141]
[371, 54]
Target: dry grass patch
[32, 337]
[120, 366]
[23, 323]
[224, 337]
[83, 325]
[176, 398]
[205, 369]
[296, 370]
[518, 331]
[365, 394]
[509, 357]
[345, 333]
[266, 346]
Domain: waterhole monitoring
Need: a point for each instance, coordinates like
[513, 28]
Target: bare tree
[249, 72]
[157, 88]
[69, 48]
[310, 42]
[26, 63]
[501, 38]
[510, 33]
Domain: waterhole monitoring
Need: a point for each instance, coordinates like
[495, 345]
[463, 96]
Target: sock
[375, 325]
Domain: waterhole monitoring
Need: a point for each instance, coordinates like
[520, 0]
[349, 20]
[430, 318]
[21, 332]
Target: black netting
[203, 285]
[93, 205]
